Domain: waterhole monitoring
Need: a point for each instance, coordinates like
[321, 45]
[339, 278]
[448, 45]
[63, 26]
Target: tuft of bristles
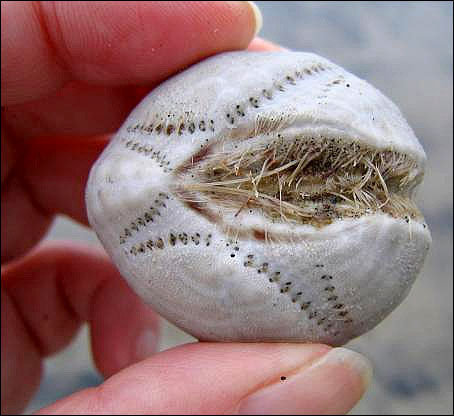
[308, 180]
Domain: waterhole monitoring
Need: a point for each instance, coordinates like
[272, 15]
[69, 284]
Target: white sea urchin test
[264, 197]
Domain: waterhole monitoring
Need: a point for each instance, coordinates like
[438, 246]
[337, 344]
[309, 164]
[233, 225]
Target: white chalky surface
[224, 273]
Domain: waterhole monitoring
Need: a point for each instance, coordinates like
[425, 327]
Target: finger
[57, 182]
[8, 155]
[53, 289]
[112, 43]
[23, 222]
[259, 44]
[76, 109]
[100, 109]
[20, 358]
[210, 378]
[49, 178]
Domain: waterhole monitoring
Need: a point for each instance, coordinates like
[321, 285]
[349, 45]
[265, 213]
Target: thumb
[215, 378]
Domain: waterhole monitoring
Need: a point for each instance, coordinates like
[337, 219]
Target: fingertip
[359, 365]
[257, 14]
[258, 44]
[332, 384]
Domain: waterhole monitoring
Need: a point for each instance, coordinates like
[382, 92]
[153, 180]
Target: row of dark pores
[285, 287]
[178, 124]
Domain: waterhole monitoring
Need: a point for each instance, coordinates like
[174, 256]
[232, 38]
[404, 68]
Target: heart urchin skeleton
[264, 196]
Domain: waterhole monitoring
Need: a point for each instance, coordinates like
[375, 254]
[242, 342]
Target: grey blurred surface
[404, 49]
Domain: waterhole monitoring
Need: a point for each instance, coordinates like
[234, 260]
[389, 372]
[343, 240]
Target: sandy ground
[404, 49]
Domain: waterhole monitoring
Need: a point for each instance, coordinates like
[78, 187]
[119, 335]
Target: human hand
[71, 72]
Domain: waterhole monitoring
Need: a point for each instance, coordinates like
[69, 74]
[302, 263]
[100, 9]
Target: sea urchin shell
[264, 197]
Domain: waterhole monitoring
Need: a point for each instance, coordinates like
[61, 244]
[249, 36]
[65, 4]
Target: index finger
[47, 44]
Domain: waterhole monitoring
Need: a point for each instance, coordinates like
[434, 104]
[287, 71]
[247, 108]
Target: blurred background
[405, 50]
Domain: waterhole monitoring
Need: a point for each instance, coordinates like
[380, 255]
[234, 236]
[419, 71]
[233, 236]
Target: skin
[67, 84]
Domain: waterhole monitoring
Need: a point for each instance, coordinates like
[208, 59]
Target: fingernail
[332, 384]
[357, 363]
[146, 344]
[257, 16]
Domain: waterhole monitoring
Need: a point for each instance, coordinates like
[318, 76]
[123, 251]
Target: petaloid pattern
[264, 197]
